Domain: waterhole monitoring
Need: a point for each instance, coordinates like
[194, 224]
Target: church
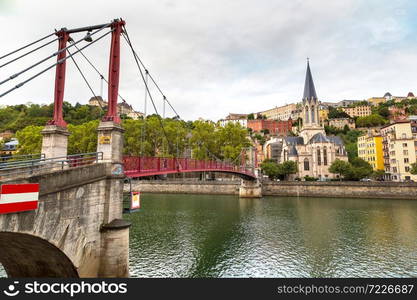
[312, 150]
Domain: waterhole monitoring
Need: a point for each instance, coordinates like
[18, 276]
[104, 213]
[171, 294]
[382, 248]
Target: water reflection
[223, 236]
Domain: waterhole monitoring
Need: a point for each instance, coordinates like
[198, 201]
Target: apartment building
[283, 113]
[241, 119]
[358, 111]
[275, 127]
[370, 149]
[340, 123]
[399, 150]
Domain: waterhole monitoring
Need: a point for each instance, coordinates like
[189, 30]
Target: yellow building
[370, 149]
[323, 115]
[375, 101]
[358, 111]
[399, 150]
[281, 113]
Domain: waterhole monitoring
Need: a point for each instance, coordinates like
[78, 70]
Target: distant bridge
[135, 166]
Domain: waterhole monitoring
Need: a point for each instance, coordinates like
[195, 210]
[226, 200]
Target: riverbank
[343, 189]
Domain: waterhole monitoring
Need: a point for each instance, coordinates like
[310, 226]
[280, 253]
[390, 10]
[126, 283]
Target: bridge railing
[21, 157]
[162, 165]
[32, 166]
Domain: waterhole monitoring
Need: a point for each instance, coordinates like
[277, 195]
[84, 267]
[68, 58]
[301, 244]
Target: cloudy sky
[212, 57]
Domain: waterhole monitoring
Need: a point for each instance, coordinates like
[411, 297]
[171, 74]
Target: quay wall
[343, 189]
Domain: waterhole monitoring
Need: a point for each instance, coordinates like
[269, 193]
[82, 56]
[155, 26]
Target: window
[394, 169]
[407, 169]
[405, 152]
[404, 144]
[318, 157]
[307, 115]
[306, 165]
[406, 160]
[325, 156]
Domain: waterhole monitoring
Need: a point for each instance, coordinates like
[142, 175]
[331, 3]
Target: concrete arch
[24, 255]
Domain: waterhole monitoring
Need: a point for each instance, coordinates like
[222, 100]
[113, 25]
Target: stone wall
[389, 190]
[73, 206]
[185, 187]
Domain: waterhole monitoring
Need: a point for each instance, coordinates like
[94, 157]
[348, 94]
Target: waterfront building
[275, 127]
[370, 150]
[340, 123]
[241, 119]
[399, 150]
[358, 111]
[312, 150]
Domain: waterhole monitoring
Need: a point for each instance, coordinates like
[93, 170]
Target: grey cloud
[215, 57]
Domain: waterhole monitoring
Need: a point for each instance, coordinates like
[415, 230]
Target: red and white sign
[135, 201]
[19, 197]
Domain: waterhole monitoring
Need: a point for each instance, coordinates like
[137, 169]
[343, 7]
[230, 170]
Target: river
[224, 236]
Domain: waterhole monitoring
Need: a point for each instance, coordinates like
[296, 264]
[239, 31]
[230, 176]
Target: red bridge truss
[135, 166]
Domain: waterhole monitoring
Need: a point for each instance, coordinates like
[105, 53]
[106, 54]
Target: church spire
[309, 89]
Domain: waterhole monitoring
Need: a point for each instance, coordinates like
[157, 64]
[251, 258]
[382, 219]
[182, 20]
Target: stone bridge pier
[250, 189]
[77, 230]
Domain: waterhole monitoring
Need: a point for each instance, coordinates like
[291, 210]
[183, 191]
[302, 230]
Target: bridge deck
[148, 166]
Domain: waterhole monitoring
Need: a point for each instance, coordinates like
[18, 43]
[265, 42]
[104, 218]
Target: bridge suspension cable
[51, 66]
[137, 58]
[50, 56]
[28, 45]
[127, 39]
[85, 79]
[95, 68]
[29, 52]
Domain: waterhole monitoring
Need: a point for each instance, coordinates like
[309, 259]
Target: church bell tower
[310, 112]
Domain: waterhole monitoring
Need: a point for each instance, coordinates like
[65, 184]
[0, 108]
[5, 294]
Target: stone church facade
[312, 150]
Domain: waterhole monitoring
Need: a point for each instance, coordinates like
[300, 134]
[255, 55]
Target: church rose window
[306, 164]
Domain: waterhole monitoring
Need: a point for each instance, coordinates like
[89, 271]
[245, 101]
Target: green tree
[370, 121]
[30, 140]
[82, 138]
[335, 113]
[414, 168]
[340, 167]
[378, 175]
[251, 117]
[287, 168]
[270, 168]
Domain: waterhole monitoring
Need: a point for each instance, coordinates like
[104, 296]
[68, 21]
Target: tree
[270, 168]
[414, 168]
[378, 175]
[370, 121]
[335, 113]
[251, 117]
[340, 167]
[82, 138]
[30, 140]
[287, 168]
